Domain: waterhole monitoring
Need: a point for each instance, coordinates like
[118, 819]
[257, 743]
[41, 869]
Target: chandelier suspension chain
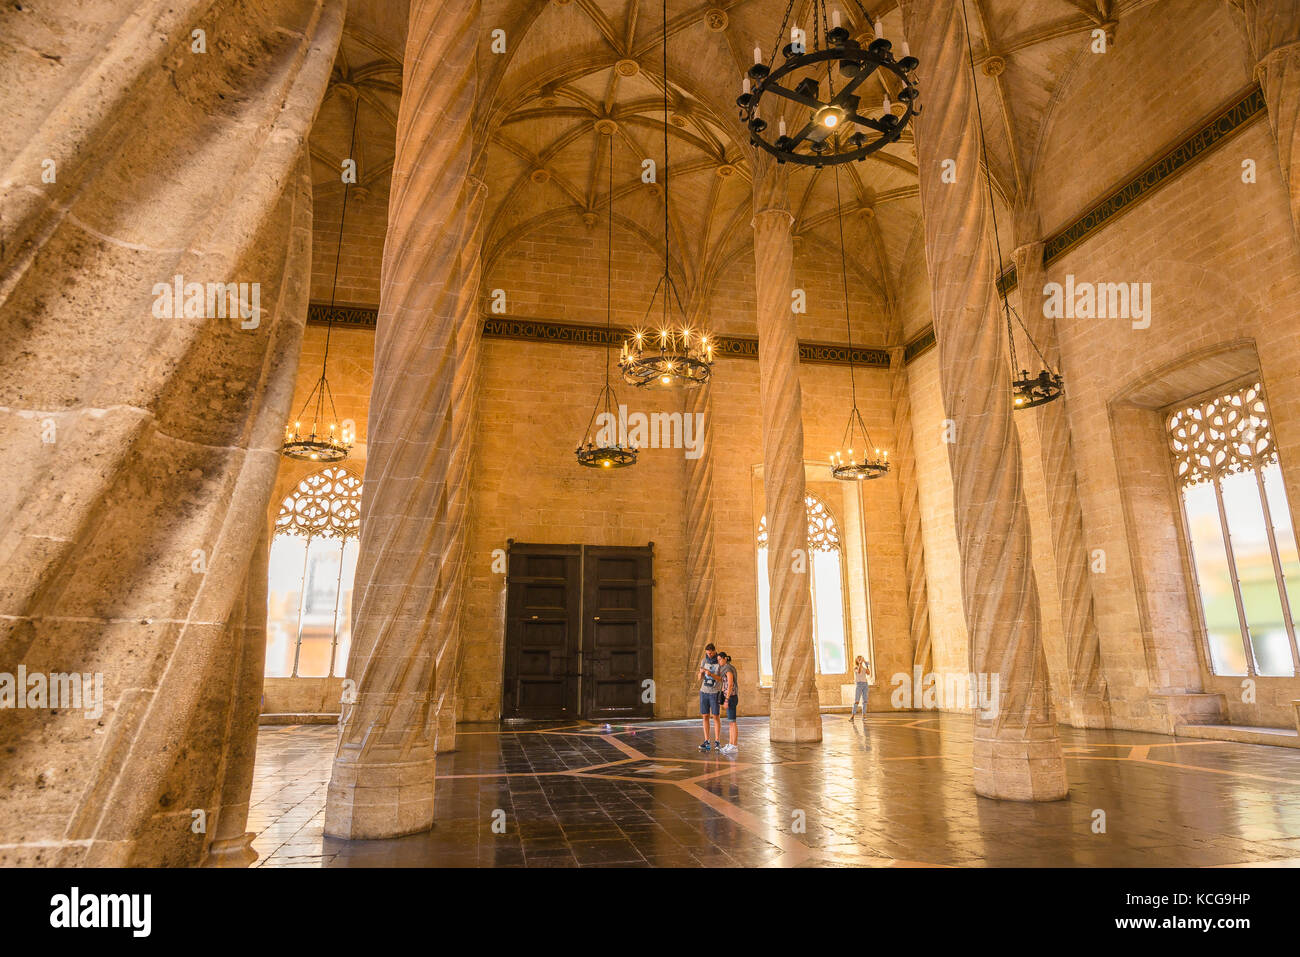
[988, 182]
[844, 278]
[664, 172]
[328, 446]
[338, 252]
[609, 262]
[771, 60]
[606, 394]
[681, 357]
[611, 453]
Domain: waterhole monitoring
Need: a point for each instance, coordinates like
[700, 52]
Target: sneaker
[717, 746]
[704, 746]
[729, 749]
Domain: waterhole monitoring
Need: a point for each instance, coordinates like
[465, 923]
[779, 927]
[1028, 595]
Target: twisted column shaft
[1272, 29]
[412, 516]
[701, 612]
[1017, 753]
[127, 530]
[246, 631]
[1088, 697]
[795, 715]
[904, 463]
[464, 418]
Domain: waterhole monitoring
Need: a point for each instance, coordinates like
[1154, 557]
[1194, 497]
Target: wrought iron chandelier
[1027, 389]
[858, 459]
[325, 442]
[674, 354]
[838, 128]
[602, 447]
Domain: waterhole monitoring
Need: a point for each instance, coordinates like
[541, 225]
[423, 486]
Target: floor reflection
[895, 792]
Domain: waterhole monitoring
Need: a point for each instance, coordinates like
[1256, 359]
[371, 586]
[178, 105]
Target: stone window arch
[312, 564]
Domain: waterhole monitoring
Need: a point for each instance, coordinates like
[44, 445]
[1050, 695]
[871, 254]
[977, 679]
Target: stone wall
[527, 485]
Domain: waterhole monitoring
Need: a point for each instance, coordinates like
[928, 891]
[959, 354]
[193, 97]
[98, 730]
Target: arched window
[313, 560]
[1238, 526]
[825, 579]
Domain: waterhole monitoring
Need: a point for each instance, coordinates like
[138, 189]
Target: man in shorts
[709, 687]
[727, 699]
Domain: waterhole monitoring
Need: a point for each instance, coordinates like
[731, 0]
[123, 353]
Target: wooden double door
[579, 636]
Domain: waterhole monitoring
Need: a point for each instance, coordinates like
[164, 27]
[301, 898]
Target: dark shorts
[731, 707]
[709, 702]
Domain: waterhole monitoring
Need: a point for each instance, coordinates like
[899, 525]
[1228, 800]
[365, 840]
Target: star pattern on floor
[895, 790]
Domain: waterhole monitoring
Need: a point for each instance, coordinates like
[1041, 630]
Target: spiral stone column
[231, 843]
[1088, 696]
[1017, 753]
[412, 514]
[904, 463]
[141, 438]
[1272, 30]
[795, 714]
[464, 419]
[701, 612]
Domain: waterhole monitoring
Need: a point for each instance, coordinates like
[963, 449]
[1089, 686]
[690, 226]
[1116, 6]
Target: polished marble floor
[896, 792]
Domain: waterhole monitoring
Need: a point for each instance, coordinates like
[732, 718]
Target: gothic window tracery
[309, 577]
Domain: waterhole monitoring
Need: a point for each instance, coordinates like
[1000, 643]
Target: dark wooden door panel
[618, 631]
[543, 608]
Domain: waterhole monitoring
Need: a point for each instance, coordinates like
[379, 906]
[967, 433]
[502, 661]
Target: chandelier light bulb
[781, 126]
[745, 88]
[835, 19]
[887, 105]
[903, 46]
[879, 29]
[758, 54]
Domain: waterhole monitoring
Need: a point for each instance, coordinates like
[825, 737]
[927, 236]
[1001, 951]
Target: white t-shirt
[861, 674]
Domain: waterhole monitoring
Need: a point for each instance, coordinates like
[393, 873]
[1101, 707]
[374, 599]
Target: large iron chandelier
[838, 127]
[858, 459]
[673, 354]
[1027, 389]
[326, 441]
[602, 447]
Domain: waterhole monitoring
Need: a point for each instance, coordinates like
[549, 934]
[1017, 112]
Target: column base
[1019, 769]
[373, 801]
[232, 852]
[795, 726]
[445, 739]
